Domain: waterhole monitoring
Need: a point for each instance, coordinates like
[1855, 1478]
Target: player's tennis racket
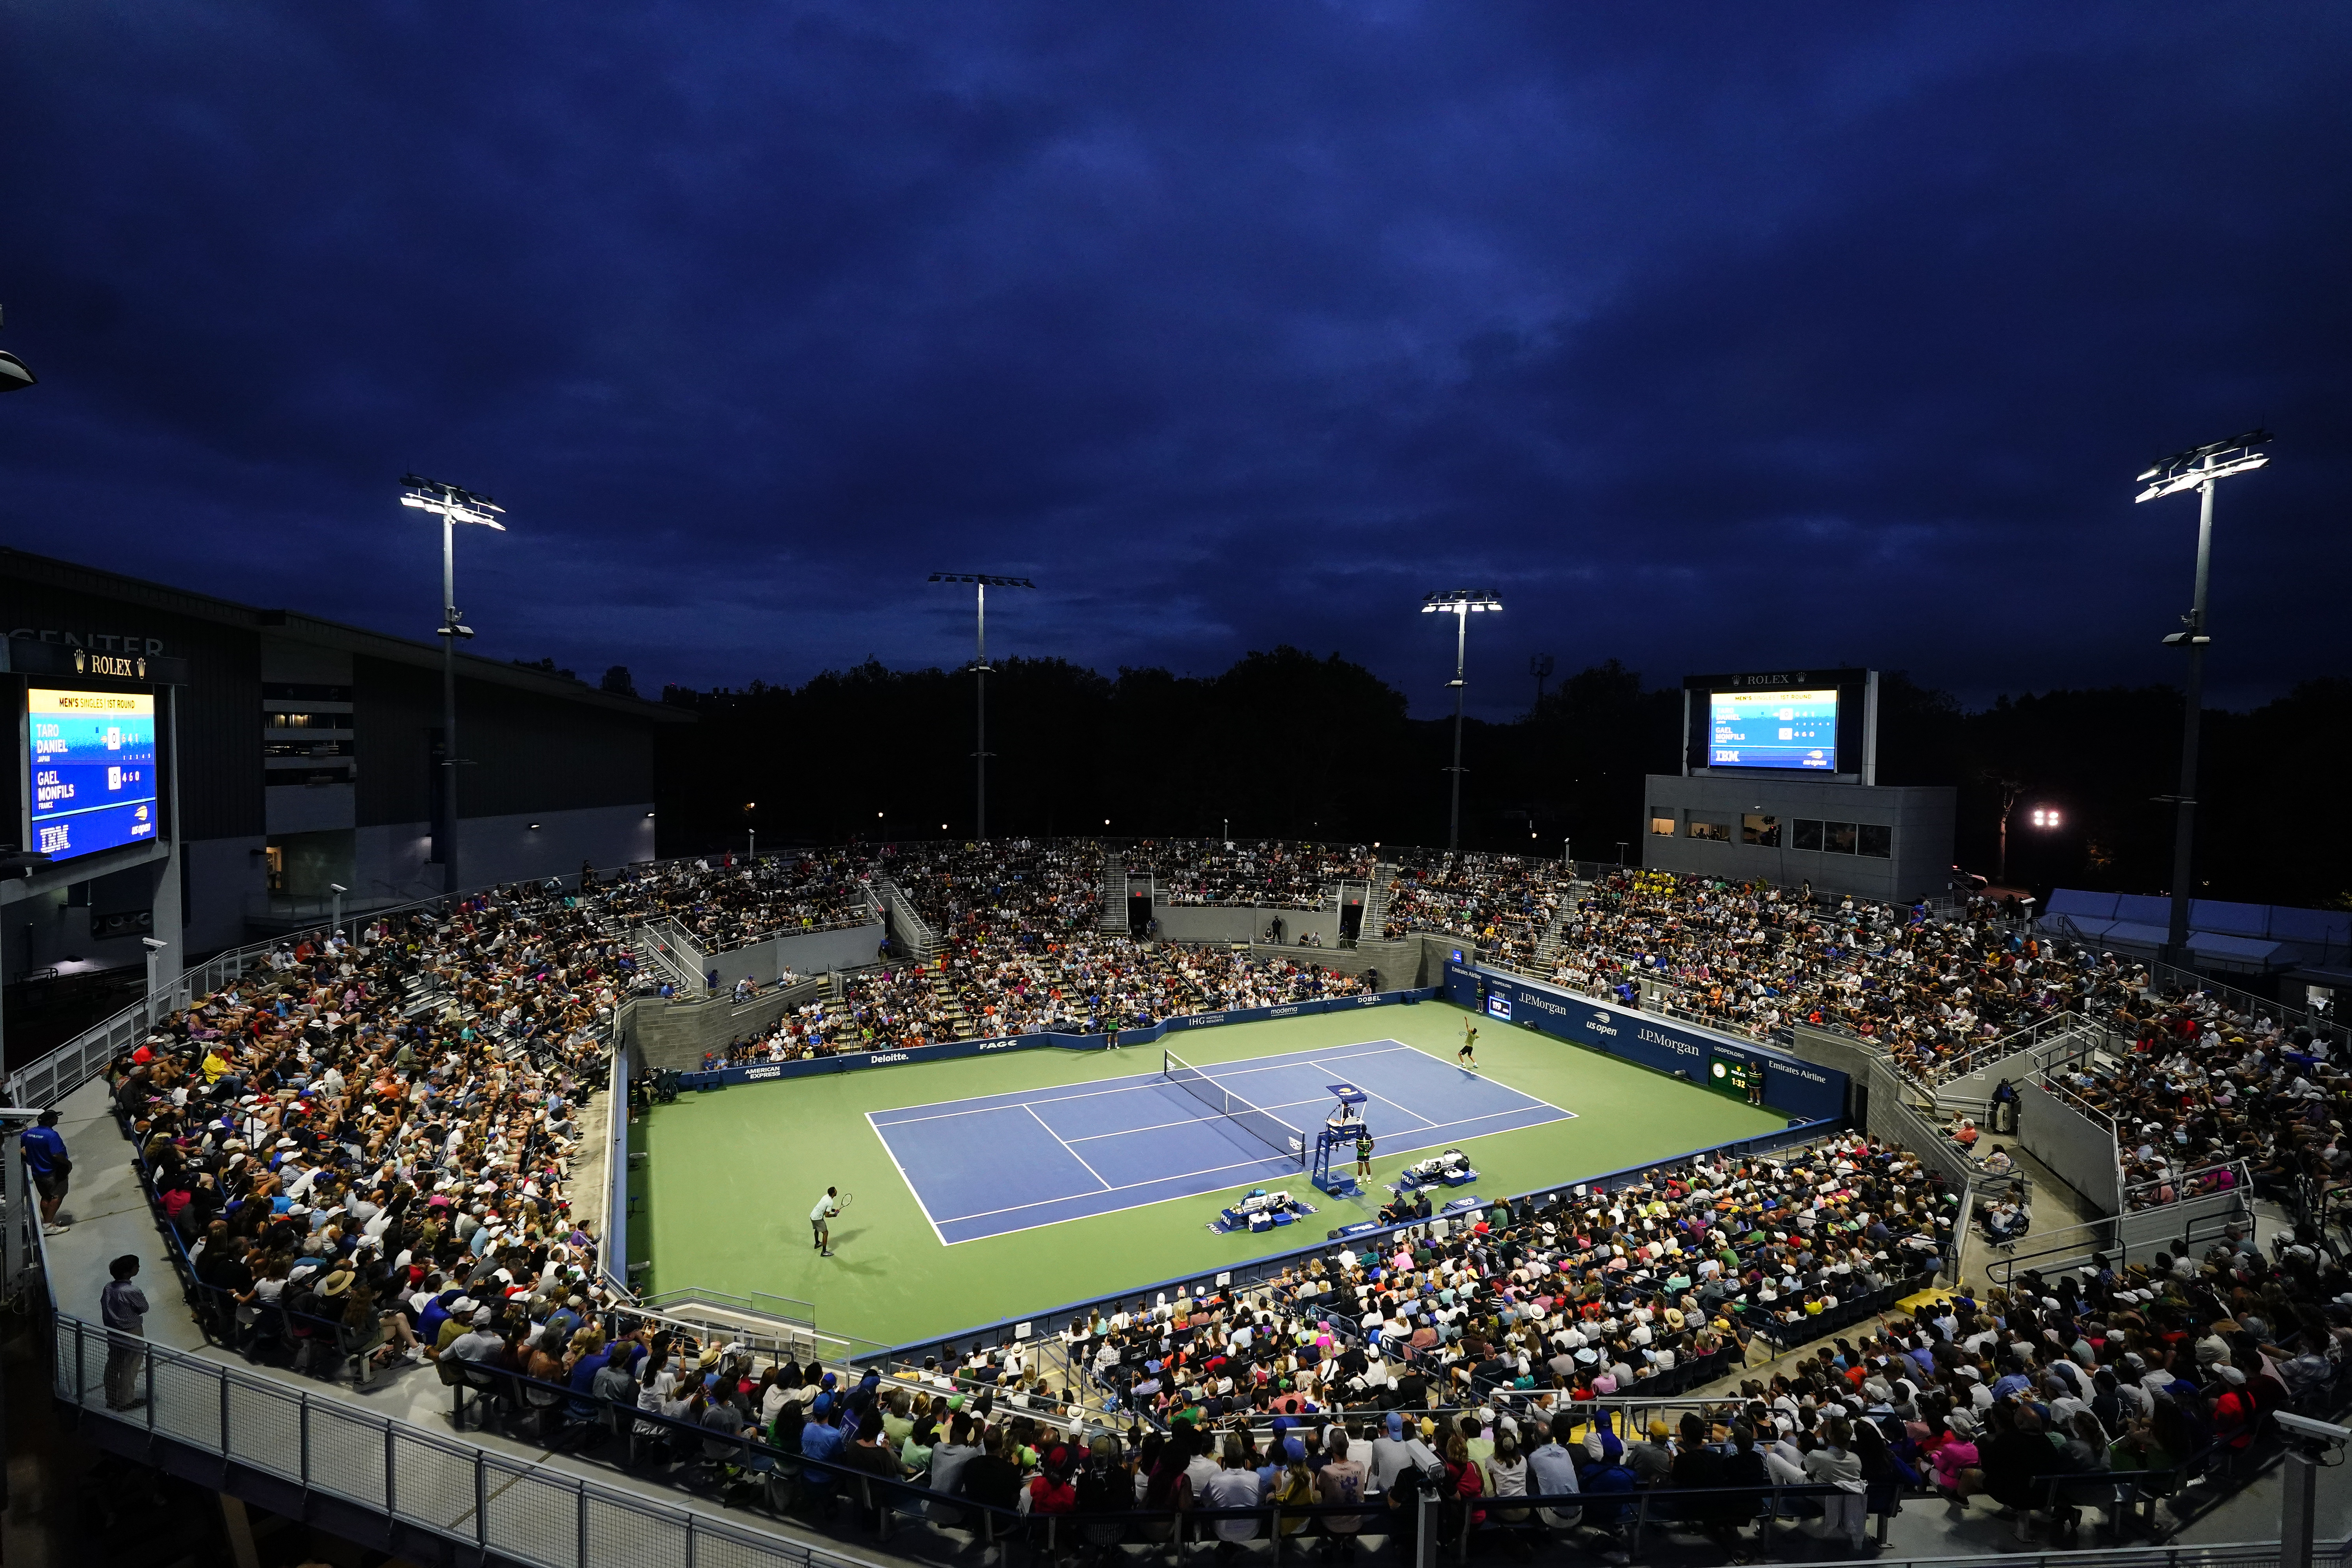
[842, 1203]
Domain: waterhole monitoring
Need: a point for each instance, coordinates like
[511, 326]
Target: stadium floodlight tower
[1461, 604]
[453, 505]
[2198, 469]
[981, 581]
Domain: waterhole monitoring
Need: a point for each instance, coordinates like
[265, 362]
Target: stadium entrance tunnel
[1139, 914]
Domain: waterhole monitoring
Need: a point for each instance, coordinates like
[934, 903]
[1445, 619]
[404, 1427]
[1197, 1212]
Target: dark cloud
[1720, 340]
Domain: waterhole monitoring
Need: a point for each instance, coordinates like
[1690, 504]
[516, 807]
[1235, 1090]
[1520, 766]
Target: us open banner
[1150, 1034]
[1663, 1045]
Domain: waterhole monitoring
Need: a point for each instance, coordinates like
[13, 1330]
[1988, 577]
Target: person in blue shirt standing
[46, 1160]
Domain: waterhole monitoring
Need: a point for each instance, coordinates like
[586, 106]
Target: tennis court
[1003, 1163]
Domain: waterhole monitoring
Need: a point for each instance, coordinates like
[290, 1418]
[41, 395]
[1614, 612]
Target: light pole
[982, 583]
[453, 505]
[2198, 470]
[1540, 665]
[1461, 604]
[154, 947]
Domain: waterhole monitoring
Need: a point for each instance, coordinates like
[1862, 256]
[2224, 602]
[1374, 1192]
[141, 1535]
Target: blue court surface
[1001, 1162]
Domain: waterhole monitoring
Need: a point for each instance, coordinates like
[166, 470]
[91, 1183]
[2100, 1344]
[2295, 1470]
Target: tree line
[1287, 744]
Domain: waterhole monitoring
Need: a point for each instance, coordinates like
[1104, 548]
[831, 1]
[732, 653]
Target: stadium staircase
[1114, 895]
[1555, 937]
[1375, 903]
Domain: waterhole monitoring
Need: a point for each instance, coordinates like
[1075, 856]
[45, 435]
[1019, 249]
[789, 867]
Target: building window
[1763, 831]
[1876, 840]
[1807, 833]
[1663, 826]
[1719, 832]
[1837, 837]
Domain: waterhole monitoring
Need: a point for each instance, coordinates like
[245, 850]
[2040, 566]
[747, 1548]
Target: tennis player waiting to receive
[827, 1207]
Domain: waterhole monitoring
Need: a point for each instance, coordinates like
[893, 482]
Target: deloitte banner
[1663, 1044]
[1149, 1034]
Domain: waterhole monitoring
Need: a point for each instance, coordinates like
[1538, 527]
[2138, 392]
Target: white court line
[1384, 1099]
[1128, 1186]
[1065, 1144]
[913, 1190]
[1187, 1175]
[1188, 1122]
[1128, 1087]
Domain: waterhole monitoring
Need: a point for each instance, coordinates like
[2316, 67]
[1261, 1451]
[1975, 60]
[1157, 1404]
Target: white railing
[516, 1507]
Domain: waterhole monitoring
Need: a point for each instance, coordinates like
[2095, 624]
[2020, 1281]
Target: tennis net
[1287, 1143]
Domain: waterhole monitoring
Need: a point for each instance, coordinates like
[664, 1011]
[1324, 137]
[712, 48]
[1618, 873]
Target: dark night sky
[1713, 338]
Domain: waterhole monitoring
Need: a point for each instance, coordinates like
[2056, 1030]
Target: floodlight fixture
[453, 504]
[2198, 468]
[981, 581]
[15, 375]
[2201, 465]
[1461, 604]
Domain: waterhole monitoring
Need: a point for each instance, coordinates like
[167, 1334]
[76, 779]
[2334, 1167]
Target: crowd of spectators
[2196, 1092]
[1544, 1305]
[365, 1143]
[1755, 958]
[1505, 903]
[354, 1123]
[1269, 873]
[724, 903]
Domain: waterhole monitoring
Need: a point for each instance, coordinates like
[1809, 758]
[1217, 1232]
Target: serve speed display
[90, 765]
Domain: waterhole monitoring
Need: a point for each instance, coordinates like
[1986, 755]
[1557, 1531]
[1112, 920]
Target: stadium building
[284, 755]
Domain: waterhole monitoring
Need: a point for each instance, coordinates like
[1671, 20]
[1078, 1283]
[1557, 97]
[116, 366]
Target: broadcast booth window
[1876, 840]
[1720, 832]
[1764, 831]
[1837, 837]
[1808, 833]
[1662, 827]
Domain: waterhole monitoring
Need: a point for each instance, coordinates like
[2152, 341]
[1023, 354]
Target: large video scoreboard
[91, 769]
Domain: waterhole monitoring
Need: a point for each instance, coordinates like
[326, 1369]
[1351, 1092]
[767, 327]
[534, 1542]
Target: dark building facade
[298, 754]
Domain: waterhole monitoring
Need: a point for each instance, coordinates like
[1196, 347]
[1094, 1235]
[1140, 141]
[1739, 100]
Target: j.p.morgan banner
[1668, 1046]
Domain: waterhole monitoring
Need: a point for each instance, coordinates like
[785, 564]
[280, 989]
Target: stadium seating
[362, 1152]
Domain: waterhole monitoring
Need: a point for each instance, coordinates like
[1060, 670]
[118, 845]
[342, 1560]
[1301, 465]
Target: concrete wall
[1876, 1100]
[1233, 923]
[675, 1034]
[809, 953]
[2078, 1151]
[389, 861]
[1920, 816]
[221, 875]
[1399, 962]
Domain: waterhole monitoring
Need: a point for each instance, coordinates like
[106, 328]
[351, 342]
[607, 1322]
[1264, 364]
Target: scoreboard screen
[1735, 1075]
[1773, 729]
[90, 769]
